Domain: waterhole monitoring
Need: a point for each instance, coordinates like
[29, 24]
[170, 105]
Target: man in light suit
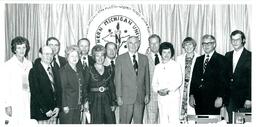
[151, 113]
[209, 80]
[240, 80]
[132, 82]
[45, 89]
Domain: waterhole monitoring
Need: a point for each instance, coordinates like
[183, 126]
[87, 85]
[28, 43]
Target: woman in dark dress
[102, 96]
[73, 88]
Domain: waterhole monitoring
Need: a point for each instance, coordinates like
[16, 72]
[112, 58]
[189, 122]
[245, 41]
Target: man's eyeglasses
[208, 43]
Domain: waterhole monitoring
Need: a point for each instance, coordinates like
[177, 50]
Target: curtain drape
[173, 22]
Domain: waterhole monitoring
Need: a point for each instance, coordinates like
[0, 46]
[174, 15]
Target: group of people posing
[129, 88]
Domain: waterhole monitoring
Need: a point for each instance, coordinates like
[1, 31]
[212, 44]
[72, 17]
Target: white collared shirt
[236, 56]
[210, 56]
[107, 61]
[153, 56]
[136, 57]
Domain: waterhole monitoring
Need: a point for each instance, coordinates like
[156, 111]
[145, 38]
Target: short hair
[52, 38]
[188, 39]
[70, 49]
[19, 40]
[208, 36]
[85, 39]
[154, 36]
[239, 32]
[166, 45]
[98, 48]
[106, 45]
[130, 37]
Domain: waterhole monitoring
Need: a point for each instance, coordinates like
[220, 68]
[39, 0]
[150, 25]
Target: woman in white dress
[187, 61]
[17, 94]
[166, 82]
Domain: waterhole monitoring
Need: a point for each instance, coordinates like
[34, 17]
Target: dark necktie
[112, 64]
[55, 64]
[51, 77]
[84, 63]
[135, 64]
[156, 59]
[205, 63]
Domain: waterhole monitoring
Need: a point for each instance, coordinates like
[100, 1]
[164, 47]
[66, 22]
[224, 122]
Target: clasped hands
[163, 92]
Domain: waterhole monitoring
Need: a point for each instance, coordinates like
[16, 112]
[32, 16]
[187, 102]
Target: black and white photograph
[121, 62]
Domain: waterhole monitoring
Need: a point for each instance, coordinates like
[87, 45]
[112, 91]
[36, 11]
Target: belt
[99, 89]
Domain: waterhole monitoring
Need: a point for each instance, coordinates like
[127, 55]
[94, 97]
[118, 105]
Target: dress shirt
[153, 57]
[236, 56]
[136, 55]
[210, 56]
[107, 61]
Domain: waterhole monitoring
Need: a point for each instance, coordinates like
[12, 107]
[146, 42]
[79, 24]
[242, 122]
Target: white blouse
[167, 75]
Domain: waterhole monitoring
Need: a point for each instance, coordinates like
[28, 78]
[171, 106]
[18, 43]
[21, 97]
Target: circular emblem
[116, 24]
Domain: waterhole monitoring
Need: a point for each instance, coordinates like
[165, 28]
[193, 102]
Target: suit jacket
[129, 86]
[207, 86]
[70, 83]
[62, 61]
[85, 71]
[43, 98]
[240, 79]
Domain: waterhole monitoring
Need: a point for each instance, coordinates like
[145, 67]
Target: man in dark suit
[86, 60]
[45, 89]
[58, 61]
[132, 82]
[240, 80]
[209, 80]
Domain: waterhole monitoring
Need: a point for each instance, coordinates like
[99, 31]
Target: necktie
[112, 64]
[84, 63]
[51, 77]
[55, 63]
[135, 64]
[205, 63]
[156, 59]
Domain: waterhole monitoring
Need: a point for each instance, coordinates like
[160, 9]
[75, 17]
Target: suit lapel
[241, 60]
[140, 67]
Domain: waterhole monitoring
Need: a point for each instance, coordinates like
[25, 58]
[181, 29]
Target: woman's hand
[66, 109]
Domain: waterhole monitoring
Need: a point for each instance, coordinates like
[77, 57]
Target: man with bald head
[132, 83]
[45, 89]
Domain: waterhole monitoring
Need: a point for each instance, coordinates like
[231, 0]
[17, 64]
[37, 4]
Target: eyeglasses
[207, 43]
[236, 40]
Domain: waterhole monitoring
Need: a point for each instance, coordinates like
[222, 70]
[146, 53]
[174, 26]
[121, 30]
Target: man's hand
[119, 101]
[192, 101]
[49, 113]
[247, 104]
[66, 109]
[113, 108]
[218, 102]
[163, 92]
[55, 112]
[8, 110]
[146, 99]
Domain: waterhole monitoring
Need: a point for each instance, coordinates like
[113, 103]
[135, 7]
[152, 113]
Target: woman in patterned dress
[102, 98]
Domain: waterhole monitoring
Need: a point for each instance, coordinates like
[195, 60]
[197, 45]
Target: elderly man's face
[208, 45]
[154, 45]
[47, 55]
[133, 44]
[111, 51]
